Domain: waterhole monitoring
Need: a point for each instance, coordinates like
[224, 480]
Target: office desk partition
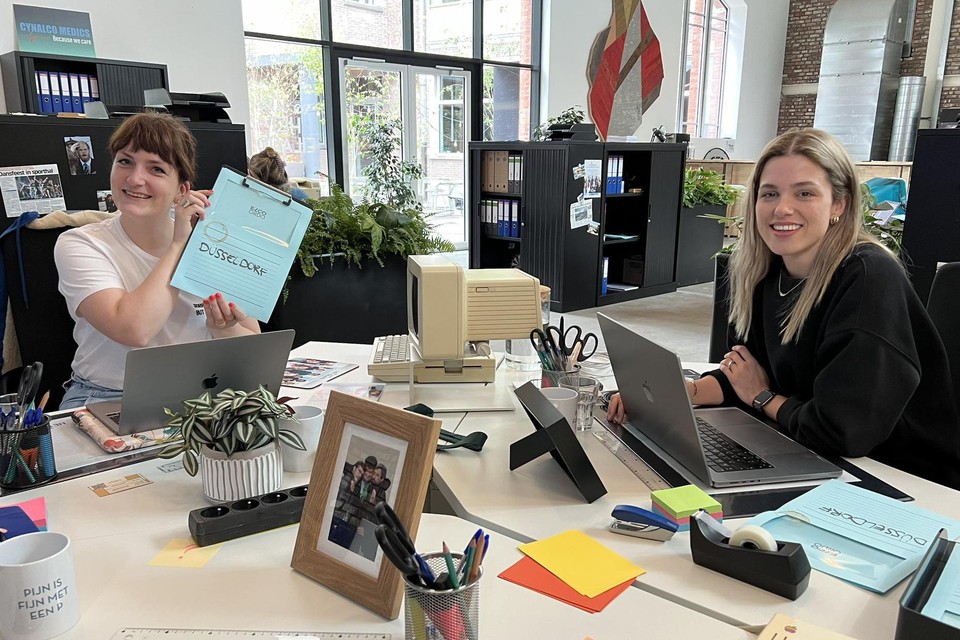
[248, 583]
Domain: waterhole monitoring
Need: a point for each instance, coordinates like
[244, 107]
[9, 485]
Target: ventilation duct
[859, 74]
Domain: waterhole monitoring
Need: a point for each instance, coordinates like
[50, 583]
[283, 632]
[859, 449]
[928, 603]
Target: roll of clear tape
[751, 536]
[711, 523]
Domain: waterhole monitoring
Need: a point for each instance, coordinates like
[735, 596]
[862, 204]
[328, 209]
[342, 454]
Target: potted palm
[352, 261]
[232, 440]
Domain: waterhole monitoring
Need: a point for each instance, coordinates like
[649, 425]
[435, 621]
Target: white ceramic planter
[243, 475]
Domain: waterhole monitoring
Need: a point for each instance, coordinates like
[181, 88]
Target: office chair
[945, 312]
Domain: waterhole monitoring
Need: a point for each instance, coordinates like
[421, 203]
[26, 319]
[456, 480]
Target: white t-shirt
[101, 256]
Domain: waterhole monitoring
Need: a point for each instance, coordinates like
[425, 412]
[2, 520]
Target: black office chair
[945, 312]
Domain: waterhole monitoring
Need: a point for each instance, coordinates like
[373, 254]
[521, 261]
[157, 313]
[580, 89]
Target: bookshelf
[115, 82]
[540, 188]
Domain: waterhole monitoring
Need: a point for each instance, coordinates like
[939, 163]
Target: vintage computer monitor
[452, 313]
[449, 306]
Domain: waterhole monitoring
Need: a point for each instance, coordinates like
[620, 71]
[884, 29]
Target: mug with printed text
[38, 587]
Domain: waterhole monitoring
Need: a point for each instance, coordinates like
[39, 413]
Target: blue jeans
[79, 391]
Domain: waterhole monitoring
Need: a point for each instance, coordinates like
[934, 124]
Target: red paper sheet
[528, 573]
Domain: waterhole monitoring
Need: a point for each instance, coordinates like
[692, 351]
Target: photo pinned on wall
[591, 178]
[105, 201]
[80, 155]
[31, 188]
[368, 453]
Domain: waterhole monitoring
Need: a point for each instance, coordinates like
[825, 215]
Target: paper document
[245, 245]
[582, 562]
[857, 535]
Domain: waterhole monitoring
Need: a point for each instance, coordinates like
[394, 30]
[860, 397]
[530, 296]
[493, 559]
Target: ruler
[631, 460]
[129, 633]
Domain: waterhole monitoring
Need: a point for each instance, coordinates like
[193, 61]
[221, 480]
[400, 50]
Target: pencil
[43, 400]
[477, 558]
[450, 570]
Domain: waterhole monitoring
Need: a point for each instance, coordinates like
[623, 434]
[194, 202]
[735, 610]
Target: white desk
[249, 584]
[538, 500]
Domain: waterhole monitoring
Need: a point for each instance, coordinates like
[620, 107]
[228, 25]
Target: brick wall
[950, 96]
[806, 22]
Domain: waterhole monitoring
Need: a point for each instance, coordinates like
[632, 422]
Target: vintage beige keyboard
[390, 359]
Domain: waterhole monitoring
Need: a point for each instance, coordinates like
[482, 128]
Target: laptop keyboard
[723, 454]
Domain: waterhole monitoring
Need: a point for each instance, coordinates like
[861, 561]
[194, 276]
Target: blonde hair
[751, 260]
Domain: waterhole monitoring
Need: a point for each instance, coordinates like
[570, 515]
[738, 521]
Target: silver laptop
[158, 377]
[722, 446]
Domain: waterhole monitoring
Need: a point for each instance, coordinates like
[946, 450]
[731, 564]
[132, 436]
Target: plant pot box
[341, 304]
[698, 239]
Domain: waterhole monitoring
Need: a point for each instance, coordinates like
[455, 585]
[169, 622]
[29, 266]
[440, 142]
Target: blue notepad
[16, 522]
[245, 245]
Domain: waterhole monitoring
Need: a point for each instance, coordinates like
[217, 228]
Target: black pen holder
[26, 456]
[785, 572]
[211, 525]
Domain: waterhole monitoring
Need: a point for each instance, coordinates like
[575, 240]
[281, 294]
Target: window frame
[700, 125]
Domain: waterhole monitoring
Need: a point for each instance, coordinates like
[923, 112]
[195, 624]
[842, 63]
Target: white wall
[200, 41]
[571, 25]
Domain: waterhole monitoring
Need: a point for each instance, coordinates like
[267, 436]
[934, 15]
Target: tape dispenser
[640, 523]
[751, 555]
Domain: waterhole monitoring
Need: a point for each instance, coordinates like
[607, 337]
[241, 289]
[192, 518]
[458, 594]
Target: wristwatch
[762, 399]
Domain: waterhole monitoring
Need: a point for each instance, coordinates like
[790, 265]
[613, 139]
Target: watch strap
[762, 399]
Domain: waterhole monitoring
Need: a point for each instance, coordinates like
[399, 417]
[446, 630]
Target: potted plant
[232, 440]
[705, 198]
[566, 124]
[352, 261]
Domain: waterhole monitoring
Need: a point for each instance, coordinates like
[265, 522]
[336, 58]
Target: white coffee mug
[565, 400]
[308, 426]
[38, 587]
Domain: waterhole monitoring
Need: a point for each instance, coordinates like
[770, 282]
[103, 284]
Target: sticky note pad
[582, 562]
[683, 502]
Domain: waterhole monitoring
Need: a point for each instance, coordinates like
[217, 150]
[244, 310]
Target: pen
[450, 569]
[471, 550]
[486, 546]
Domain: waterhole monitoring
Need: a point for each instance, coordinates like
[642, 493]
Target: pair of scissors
[27, 391]
[567, 338]
[393, 538]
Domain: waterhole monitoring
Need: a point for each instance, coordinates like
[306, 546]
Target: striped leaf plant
[229, 422]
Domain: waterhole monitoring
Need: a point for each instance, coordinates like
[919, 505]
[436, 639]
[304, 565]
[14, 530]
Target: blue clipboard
[245, 245]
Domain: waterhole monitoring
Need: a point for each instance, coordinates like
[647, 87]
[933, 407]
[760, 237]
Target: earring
[834, 220]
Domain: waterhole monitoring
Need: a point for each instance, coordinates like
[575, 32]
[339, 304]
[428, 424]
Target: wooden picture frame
[336, 545]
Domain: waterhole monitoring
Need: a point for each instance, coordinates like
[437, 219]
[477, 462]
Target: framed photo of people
[368, 453]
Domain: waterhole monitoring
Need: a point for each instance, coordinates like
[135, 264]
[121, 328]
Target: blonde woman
[831, 341]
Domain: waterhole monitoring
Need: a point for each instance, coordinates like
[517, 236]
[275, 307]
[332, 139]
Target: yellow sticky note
[184, 553]
[583, 563]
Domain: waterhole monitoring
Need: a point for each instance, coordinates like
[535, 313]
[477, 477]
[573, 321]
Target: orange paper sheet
[527, 573]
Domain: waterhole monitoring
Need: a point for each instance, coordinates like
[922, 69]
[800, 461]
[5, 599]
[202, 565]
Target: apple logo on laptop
[647, 391]
[210, 383]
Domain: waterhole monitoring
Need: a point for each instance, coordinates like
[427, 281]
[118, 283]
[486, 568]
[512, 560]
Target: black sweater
[867, 376]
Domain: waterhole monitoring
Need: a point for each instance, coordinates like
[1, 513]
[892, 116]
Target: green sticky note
[682, 502]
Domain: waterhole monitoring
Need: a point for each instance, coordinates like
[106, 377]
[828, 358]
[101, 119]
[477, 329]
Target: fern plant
[228, 422]
[364, 230]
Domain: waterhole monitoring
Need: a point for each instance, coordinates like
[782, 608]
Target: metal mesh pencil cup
[550, 378]
[26, 456]
[453, 614]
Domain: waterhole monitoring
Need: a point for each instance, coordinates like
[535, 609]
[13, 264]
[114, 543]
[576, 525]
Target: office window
[295, 18]
[506, 103]
[507, 29]
[451, 115]
[370, 23]
[285, 88]
[444, 28]
[703, 76]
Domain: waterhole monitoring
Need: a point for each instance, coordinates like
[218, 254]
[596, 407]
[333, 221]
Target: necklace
[784, 294]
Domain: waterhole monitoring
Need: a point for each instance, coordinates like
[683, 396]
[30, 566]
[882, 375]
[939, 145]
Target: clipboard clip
[286, 202]
[640, 523]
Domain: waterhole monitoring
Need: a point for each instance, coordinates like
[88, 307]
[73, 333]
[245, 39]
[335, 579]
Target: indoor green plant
[222, 428]
[569, 116]
[705, 198]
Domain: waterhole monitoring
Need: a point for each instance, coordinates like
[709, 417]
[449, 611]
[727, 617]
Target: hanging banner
[57, 31]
